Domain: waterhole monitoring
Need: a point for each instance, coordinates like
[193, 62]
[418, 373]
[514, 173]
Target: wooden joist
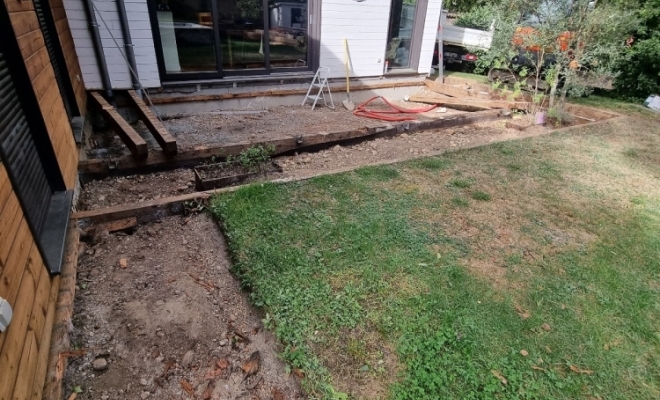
[283, 145]
[486, 104]
[453, 91]
[60, 341]
[133, 141]
[162, 136]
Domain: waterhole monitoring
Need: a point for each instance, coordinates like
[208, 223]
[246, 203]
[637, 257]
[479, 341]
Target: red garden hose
[386, 115]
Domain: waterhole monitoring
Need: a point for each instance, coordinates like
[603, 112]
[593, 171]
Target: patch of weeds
[378, 173]
[632, 153]
[548, 170]
[432, 163]
[638, 200]
[460, 201]
[481, 196]
[514, 167]
[460, 183]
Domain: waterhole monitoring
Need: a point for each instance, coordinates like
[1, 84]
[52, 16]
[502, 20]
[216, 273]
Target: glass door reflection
[399, 41]
[287, 33]
[186, 35]
[241, 27]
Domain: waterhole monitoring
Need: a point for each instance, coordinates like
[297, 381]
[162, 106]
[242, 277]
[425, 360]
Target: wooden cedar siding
[27, 286]
[24, 280]
[70, 56]
[31, 42]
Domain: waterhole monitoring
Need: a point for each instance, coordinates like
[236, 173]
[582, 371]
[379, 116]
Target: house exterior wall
[24, 281]
[429, 36]
[364, 25]
[140, 27]
[70, 56]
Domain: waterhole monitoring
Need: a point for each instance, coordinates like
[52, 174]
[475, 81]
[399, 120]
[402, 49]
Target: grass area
[620, 106]
[468, 75]
[526, 270]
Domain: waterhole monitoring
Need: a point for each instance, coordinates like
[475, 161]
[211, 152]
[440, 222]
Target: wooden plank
[157, 129]
[27, 367]
[15, 335]
[175, 203]
[36, 63]
[40, 307]
[60, 340]
[133, 141]
[281, 145]
[519, 105]
[448, 90]
[44, 348]
[24, 22]
[30, 43]
[16, 263]
[289, 92]
[120, 225]
[10, 220]
[16, 6]
[5, 188]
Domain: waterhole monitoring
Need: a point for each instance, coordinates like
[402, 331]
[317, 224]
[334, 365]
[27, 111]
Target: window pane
[402, 21]
[288, 33]
[241, 25]
[186, 31]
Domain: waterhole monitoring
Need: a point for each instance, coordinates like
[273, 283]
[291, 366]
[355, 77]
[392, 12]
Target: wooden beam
[448, 90]
[60, 341]
[283, 145]
[133, 141]
[162, 136]
[517, 105]
[288, 92]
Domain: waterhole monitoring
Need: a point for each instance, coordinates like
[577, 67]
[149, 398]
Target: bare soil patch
[113, 191]
[160, 309]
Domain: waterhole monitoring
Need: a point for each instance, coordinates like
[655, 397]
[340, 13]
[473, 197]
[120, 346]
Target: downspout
[128, 46]
[98, 50]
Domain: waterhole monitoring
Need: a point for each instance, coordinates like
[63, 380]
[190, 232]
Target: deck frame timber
[288, 144]
[155, 126]
[123, 129]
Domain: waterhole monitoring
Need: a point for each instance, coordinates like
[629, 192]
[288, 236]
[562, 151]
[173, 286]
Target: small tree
[568, 46]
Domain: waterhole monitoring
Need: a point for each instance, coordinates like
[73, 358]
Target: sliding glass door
[197, 39]
[400, 37]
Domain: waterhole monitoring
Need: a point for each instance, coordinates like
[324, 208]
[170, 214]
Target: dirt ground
[131, 189]
[160, 316]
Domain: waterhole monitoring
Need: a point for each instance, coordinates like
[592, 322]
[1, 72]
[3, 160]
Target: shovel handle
[348, 87]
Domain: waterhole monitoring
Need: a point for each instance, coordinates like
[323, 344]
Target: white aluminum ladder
[320, 81]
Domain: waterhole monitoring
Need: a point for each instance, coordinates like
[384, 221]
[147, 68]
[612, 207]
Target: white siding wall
[364, 24]
[145, 54]
[429, 36]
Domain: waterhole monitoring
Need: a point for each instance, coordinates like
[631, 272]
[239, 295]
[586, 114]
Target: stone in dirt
[143, 382]
[100, 364]
[224, 342]
[145, 395]
[188, 358]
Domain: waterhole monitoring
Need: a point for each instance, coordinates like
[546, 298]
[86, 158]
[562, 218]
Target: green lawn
[522, 270]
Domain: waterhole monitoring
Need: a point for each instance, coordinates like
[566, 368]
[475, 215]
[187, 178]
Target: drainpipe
[128, 46]
[98, 49]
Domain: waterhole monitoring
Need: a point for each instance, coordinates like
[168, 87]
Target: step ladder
[320, 82]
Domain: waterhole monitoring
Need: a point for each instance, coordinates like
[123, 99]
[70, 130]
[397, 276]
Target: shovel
[348, 103]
